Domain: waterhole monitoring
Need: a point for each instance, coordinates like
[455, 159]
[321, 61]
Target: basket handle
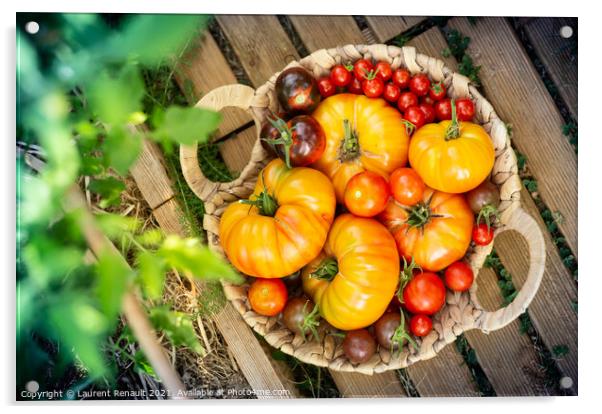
[239, 96]
[526, 225]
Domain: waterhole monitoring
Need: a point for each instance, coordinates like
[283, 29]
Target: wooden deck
[510, 362]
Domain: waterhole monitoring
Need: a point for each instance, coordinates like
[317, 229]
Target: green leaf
[152, 274]
[150, 38]
[109, 188]
[49, 260]
[189, 255]
[81, 326]
[121, 149]
[177, 326]
[188, 125]
[143, 365]
[151, 238]
[113, 276]
[114, 98]
[560, 351]
[115, 225]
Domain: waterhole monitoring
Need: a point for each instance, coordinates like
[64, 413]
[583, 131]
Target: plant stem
[453, 130]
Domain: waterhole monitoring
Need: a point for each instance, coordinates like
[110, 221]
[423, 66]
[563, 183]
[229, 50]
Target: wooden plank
[445, 375]
[354, 385]
[260, 43]
[236, 150]
[431, 43]
[520, 98]
[319, 32]
[387, 27]
[250, 357]
[204, 68]
[508, 358]
[149, 164]
[551, 310]
[555, 53]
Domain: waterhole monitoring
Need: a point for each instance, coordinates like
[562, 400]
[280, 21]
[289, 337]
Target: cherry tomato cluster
[418, 99]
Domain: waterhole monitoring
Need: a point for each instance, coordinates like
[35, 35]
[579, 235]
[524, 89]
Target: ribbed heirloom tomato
[283, 225]
[355, 278]
[452, 156]
[361, 134]
[436, 232]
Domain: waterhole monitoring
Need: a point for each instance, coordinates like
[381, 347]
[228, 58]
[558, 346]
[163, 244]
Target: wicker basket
[462, 311]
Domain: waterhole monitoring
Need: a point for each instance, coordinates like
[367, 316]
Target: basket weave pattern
[462, 311]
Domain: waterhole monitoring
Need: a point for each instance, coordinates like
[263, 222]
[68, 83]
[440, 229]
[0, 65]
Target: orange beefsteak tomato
[435, 232]
[355, 278]
[361, 134]
[451, 156]
[283, 225]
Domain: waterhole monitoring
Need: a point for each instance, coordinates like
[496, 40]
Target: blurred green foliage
[80, 93]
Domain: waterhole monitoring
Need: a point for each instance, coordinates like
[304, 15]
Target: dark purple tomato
[297, 91]
[269, 131]
[386, 328]
[486, 194]
[296, 313]
[300, 141]
[359, 346]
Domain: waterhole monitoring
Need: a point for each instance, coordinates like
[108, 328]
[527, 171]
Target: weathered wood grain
[260, 42]
[149, 164]
[204, 68]
[446, 375]
[257, 368]
[352, 385]
[236, 150]
[551, 310]
[520, 98]
[387, 27]
[508, 358]
[555, 53]
[319, 32]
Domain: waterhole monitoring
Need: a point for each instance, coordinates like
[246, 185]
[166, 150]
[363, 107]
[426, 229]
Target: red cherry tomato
[443, 110]
[424, 294]
[401, 78]
[383, 70]
[415, 115]
[426, 99]
[458, 277]
[420, 84]
[340, 75]
[421, 325]
[406, 99]
[464, 109]
[406, 186]
[355, 86]
[373, 87]
[428, 111]
[391, 92]
[362, 68]
[437, 91]
[267, 296]
[366, 194]
[482, 235]
[326, 87]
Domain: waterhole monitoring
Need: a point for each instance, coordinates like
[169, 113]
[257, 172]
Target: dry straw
[462, 311]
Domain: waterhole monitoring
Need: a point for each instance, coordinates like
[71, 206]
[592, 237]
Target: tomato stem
[401, 335]
[406, 274]
[285, 139]
[486, 212]
[265, 203]
[350, 147]
[453, 130]
[327, 270]
[310, 322]
[420, 214]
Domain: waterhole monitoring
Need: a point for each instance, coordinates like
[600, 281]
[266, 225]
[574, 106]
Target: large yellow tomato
[283, 225]
[453, 158]
[354, 279]
[436, 232]
[361, 134]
